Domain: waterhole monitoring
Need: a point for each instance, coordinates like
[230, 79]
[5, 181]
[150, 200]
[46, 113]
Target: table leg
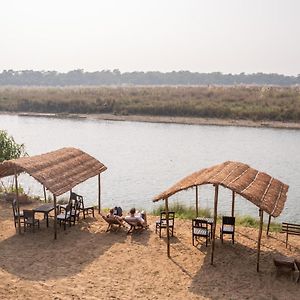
[47, 221]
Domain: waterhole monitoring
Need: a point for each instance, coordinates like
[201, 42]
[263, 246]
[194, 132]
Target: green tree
[9, 149]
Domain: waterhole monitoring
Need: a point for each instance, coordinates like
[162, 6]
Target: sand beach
[86, 262]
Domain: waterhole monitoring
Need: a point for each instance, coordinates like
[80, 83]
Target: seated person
[141, 218]
[111, 215]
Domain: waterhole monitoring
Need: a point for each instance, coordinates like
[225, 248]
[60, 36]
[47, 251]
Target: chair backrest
[163, 217]
[28, 214]
[199, 223]
[78, 199]
[228, 220]
[14, 207]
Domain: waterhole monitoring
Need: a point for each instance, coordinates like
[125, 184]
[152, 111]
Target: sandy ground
[86, 262]
[177, 120]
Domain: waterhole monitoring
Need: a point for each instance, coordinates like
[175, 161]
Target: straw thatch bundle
[59, 171]
[261, 189]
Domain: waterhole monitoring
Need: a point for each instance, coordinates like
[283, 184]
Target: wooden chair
[86, 210]
[112, 222]
[227, 227]
[15, 213]
[65, 217]
[75, 210]
[290, 229]
[29, 219]
[200, 229]
[162, 222]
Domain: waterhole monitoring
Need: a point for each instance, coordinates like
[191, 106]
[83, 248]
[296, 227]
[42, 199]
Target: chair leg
[93, 212]
[233, 238]
[160, 232]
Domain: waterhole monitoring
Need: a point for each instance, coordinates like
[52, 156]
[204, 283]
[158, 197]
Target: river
[143, 159]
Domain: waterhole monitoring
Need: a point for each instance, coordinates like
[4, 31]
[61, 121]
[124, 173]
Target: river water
[144, 159]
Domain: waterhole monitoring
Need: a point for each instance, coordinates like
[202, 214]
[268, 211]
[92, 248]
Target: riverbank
[86, 262]
[211, 105]
[165, 119]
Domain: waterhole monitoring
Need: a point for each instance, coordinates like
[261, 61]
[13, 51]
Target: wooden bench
[290, 228]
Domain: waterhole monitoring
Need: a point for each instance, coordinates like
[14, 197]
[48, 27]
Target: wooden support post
[45, 195]
[268, 228]
[168, 228]
[197, 207]
[232, 204]
[55, 217]
[99, 194]
[18, 203]
[215, 222]
[261, 214]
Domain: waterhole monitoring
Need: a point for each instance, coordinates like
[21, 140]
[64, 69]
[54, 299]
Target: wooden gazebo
[266, 192]
[58, 171]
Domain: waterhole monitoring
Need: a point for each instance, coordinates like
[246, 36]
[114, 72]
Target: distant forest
[115, 77]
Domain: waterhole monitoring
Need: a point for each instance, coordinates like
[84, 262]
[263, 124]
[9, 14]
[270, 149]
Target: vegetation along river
[144, 159]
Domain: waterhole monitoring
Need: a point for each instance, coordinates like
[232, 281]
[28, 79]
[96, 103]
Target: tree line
[115, 77]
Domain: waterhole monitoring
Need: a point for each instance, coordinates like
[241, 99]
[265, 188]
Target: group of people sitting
[134, 217]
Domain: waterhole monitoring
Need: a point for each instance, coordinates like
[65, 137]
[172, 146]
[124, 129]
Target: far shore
[166, 119]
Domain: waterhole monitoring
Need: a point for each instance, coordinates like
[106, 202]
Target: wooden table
[45, 209]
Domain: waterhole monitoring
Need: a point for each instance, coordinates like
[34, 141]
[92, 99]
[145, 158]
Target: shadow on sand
[37, 256]
[233, 275]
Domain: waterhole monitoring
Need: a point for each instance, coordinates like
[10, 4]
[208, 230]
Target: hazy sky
[230, 36]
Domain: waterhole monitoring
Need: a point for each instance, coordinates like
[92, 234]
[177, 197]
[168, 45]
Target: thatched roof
[59, 171]
[261, 189]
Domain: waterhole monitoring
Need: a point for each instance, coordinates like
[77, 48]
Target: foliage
[115, 77]
[182, 211]
[9, 149]
[233, 102]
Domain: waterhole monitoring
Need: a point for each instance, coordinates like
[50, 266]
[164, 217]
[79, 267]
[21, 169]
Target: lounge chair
[112, 222]
[135, 224]
[227, 227]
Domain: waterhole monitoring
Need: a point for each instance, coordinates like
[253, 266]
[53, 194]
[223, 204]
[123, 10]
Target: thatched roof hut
[58, 171]
[267, 193]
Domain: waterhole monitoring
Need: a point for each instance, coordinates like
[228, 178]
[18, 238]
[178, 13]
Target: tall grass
[185, 212]
[240, 102]
[182, 211]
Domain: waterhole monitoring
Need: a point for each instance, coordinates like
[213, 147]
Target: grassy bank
[248, 103]
[184, 212]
